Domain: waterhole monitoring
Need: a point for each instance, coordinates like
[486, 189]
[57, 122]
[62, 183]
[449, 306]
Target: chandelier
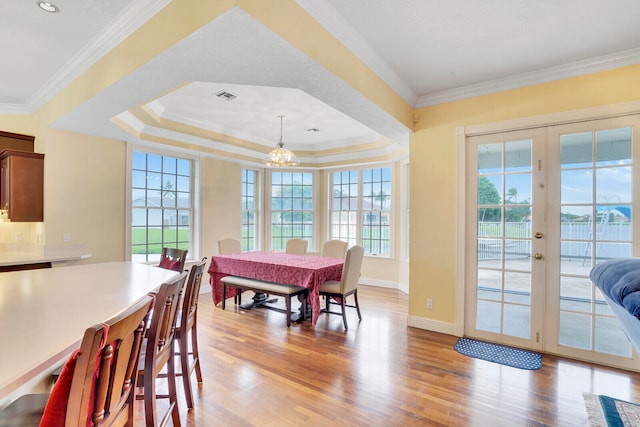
[280, 157]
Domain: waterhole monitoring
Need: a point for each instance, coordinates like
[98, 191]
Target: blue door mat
[509, 356]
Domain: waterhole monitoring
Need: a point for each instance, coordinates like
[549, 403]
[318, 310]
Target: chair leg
[194, 350]
[173, 392]
[355, 296]
[287, 300]
[183, 345]
[150, 411]
[344, 312]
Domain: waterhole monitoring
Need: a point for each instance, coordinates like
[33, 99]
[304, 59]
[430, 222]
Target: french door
[547, 205]
[507, 238]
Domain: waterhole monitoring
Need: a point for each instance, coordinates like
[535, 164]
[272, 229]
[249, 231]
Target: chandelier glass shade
[280, 157]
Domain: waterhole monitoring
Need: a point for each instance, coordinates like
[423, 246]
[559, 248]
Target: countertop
[21, 258]
[44, 312]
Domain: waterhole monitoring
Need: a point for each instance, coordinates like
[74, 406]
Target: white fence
[612, 240]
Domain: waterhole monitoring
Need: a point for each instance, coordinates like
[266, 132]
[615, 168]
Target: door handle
[538, 235]
[538, 256]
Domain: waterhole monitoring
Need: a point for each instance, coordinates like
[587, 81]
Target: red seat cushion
[170, 265]
[56, 410]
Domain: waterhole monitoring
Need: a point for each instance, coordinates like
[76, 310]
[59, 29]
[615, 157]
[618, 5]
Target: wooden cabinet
[16, 141]
[22, 267]
[22, 185]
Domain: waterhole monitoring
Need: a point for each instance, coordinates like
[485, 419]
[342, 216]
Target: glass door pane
[504, 272]
[595, 225]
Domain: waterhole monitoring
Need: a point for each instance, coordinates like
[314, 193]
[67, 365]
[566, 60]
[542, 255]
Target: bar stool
[187, 330]
[158, 353]
[97, 383]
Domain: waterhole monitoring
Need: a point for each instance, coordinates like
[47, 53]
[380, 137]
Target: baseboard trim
[435, 326]
[384, 284]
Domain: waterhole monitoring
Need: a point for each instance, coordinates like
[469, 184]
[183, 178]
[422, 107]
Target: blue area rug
[501, 354]
[605, 411]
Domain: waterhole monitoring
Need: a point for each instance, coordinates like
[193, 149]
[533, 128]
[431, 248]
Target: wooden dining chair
[97, 383]
[229, 246]
[296, 246]
[173, 259]
[348, 284]
[334, 248]
[187, 331]
[158, 352]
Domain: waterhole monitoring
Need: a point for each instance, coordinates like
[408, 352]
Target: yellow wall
[85, 193]
[222, 207]
[434, 171]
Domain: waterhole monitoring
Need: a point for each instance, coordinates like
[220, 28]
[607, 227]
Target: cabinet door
[4, 184]
[22, 185]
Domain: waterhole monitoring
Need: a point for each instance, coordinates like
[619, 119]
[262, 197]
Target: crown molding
[13, 109]
[574, 69]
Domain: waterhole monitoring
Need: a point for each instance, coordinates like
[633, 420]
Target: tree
[488, 195]
[168, 191]
[517, 213]
[168, 195]
[381, 198]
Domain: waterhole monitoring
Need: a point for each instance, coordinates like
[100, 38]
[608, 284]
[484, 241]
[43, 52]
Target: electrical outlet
[429, 304]
[18, 236]
[67, 237]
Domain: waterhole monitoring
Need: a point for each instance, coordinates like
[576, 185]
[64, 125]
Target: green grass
[150, 240]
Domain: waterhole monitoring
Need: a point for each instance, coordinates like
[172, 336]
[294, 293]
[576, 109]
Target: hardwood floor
[378, 373]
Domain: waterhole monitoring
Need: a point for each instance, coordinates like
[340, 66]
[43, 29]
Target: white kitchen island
[44, 313]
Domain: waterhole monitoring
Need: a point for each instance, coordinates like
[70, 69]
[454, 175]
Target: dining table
[44, 313]
[308, 271]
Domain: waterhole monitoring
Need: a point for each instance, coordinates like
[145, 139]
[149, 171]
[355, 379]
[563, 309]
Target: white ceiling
[428, 51]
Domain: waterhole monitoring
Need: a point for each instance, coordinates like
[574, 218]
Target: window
[249, 210]
[361, 209]
[344, 207]
[376, 210]
[291, 208]
[161, 203]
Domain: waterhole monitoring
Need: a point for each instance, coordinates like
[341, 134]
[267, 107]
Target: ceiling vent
[223, 94]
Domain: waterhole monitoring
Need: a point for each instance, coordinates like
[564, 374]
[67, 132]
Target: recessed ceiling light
[48, 7]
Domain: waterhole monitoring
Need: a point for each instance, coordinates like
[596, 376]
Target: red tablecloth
[308, 271]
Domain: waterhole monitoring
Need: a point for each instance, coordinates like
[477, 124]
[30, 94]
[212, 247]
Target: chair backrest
[296, 246]
[112, 354]
[191, 291]
[334, 248]
[173, 259]
[162, 327]
[351, 269]
[229, 246]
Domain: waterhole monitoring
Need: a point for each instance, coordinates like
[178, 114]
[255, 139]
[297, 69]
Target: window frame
[257, 211]
[195, 199]
[360, 210]
[316, 213]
